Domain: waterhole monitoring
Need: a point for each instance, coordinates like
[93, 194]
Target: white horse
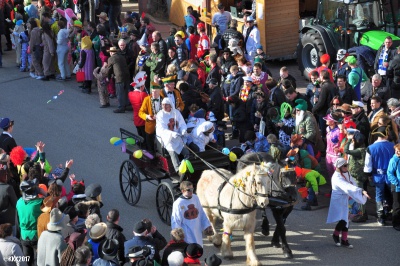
[236, 200]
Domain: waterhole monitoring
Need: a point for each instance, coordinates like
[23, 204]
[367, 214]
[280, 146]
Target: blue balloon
[118, 142]
[226, 151]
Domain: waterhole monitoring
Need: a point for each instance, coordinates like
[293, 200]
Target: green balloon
[130, 141]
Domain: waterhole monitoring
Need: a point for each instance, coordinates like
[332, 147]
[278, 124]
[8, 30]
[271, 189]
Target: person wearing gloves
[170, 128]
[343, 187]
[203, 134]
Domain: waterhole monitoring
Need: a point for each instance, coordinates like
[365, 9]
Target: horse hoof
[228, 257]
[287, 253]
[217, 245]
[253, 263]
[265, 232]
[276, 244]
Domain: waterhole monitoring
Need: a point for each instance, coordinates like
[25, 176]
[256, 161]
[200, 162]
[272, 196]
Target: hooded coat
[201, 139]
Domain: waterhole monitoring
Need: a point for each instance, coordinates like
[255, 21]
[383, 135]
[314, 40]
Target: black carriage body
[160, 172]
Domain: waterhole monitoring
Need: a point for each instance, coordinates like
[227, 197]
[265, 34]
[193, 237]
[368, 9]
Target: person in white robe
[343, 187]
[171, 130]
[203, 134]
[188, 214]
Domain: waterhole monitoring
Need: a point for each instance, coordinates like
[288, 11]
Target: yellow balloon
[182, 167]
[232, 157]
[138, 154]
[113, 140]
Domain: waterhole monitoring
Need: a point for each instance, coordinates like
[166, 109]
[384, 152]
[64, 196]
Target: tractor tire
[309, 50]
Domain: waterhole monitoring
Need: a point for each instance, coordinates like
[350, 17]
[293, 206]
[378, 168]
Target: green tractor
[342, 24]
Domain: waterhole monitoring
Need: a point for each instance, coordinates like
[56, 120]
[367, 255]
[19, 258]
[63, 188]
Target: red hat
[350, 124]
[325, 58]
[297, 170]
[201, 25]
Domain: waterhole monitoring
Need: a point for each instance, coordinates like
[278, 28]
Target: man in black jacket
[383, 57]
[361, 119]
[114, 231]
[292, 95]
[321, 107]
[232, 33]
[393, 73]
[215, 70]
[156, 35]
[276, 95]
[215, 103]
[346, 92]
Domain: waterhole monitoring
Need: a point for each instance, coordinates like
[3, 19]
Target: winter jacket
[390, 55]
[307, 127]
[393, 70]
[377, 160]
[236, 84]
[362, 124]
[276, 97]
[393, 172]
[232, 33]
[182, 53]
[8, 201]
[117, 66]
[28, 213]
[51, 245]
[216, 104]
[11, 246]
[114, 231]
[356, 162]
[143, 241]
[326, 95]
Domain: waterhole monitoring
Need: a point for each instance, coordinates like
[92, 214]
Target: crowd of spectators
[182, 91]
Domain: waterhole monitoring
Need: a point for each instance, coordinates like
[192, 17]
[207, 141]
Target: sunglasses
[189, 190]
[345, 165]
[335, 103]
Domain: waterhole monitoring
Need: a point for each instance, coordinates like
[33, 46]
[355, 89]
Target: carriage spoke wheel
[129, 181]
[165, 200]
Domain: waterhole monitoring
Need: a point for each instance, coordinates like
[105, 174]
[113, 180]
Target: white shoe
[40, 77]
[32, 75]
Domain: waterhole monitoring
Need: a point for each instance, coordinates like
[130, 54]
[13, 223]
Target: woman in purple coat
[86, 63]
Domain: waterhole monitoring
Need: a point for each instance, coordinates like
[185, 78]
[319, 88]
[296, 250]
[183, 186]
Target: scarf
[244, 93]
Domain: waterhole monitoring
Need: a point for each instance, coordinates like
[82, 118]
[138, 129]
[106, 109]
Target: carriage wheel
[165, 199]
[130, 183]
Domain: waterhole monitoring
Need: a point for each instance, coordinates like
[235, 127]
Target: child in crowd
[313, 181]
[18, 29]
[101, 75]
[276, 149]
[255, 142]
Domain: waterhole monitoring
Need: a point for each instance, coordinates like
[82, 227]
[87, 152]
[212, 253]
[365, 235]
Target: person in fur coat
[101, 75]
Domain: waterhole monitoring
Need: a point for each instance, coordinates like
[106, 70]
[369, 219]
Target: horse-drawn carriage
[234, 198]
[158, 170]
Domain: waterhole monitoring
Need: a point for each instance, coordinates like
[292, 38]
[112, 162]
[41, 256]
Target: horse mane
[243, 178]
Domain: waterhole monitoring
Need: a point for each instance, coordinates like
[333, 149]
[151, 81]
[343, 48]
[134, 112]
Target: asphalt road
[74, 127]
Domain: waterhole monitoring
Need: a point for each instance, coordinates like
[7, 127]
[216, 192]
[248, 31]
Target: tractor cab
[344, 24]
[347, 20]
